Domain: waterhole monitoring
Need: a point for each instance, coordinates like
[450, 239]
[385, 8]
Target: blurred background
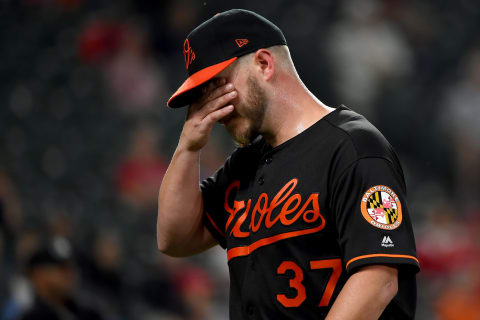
[85, 138]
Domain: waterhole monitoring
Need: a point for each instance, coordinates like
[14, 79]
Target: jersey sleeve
[371, 215]
[213, 192]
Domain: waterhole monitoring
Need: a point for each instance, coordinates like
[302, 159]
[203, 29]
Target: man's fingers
[207, 87]
[212, 84]
[213, 117]
[210, 91]
[217, 92]
[219, 97]
[217, 103]
[220, 81]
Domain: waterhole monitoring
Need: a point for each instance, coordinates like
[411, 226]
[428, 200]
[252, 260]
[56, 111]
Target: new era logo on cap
[241, 42]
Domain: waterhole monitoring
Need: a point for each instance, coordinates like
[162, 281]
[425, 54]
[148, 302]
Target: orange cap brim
[180, 97]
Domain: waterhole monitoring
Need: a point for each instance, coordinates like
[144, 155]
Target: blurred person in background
[132, 77]
[366, 51]
[52, 273]
[60, 225]
[196, 290]
[460, 299]
[140, 172]
[10, 234]
[449, 250]
[159, 289]
[10, 215]
[445, 246]
[461, 120]
[103, 274]
[212, 158]
[17, 283]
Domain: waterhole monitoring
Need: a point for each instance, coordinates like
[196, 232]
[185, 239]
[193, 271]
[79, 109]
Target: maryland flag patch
[381, 207]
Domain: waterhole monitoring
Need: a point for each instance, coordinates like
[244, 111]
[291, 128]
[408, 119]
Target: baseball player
[311, 206]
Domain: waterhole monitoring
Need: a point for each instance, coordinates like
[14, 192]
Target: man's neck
[294, 109]
[51, 299]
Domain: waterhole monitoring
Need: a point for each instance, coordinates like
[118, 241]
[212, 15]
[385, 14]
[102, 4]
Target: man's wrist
[184, 149]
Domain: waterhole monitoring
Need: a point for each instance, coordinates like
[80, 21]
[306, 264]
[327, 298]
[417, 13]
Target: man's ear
[264, 63]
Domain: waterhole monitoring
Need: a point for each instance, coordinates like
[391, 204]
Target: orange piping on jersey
[246, 250]
[382, 255]
[214, 225]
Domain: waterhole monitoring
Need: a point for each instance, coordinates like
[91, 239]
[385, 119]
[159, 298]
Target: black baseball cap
[54, 253]
[217, 43]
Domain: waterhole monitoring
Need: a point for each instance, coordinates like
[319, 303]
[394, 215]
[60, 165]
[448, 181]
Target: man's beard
[254, 111]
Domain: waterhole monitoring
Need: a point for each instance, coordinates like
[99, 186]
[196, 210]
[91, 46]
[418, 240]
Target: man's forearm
[365, 294]
[179, 203]
[180, 229]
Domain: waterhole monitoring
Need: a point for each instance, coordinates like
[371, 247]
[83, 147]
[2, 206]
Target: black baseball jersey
[298, 219]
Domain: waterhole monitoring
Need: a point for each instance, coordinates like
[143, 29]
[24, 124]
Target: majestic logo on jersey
[381, 207]
[387, 242]
[284, 209]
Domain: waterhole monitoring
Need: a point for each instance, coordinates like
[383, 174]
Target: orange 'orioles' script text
[291, 210]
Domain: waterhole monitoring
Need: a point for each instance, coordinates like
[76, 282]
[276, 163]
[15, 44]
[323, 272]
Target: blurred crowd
[86, 138]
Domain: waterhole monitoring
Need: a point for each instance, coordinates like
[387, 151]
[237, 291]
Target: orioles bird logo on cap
[188, 53]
